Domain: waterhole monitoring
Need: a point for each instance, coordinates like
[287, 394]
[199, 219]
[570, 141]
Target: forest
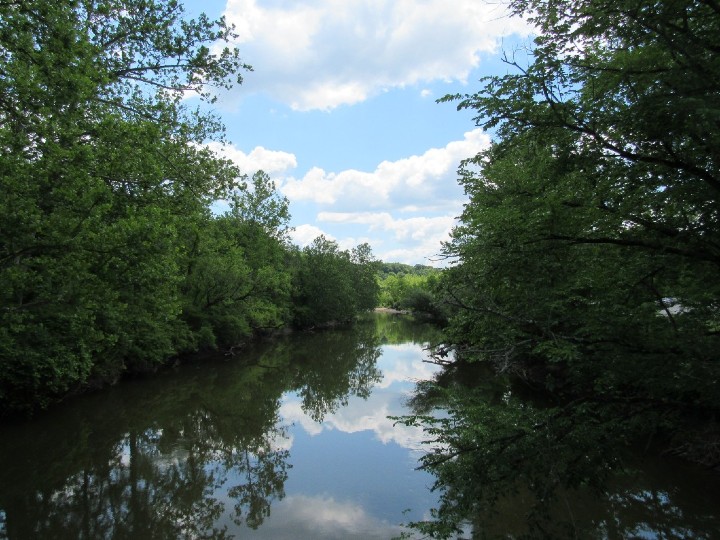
[112, 261]
[584, 266]
[411, 289]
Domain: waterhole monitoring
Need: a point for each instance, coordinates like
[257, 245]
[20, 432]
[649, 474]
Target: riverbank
[391, 311]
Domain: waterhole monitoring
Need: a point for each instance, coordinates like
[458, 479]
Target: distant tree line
[111, 260]
[411, 288]
[386, 269]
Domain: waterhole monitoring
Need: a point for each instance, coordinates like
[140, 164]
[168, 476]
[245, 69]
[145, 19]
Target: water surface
[288, 439]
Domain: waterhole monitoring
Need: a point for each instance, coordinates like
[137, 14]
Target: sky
[340, 110]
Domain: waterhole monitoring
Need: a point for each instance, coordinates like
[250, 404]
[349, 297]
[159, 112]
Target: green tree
[332, 286]
[364, 272]
[100, 169]
[412, 288]
[262, 207]
[238, 282]
[588, 252]
[260, 217]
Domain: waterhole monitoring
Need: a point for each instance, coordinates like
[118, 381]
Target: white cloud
[417, 238]
[323, 516]
[416, 181]
[291, 411]
[427, 253]
[362, 415]
[416, 228]
[401, 365]
[320, 54]
[405, 208]
[373, 416]
[272, 162]
[303, 235]
[329, 188]
[320, 512]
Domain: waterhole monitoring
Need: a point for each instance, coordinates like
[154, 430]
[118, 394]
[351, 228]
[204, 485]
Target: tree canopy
[111, 260]
[333, 285]
[587, 256]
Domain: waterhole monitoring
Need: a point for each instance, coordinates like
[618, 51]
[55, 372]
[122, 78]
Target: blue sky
[340, 110]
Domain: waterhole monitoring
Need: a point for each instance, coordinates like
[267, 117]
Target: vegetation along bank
[585, 262]
[111, 261]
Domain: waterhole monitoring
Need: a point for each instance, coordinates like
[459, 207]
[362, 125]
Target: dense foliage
[110, 258]
[411, 288]
[588, 255]
[333, 285]
[387, 269]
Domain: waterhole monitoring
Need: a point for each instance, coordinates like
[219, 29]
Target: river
[286, 439]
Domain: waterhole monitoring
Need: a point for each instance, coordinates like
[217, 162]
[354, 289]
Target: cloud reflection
[404, 364]
[321, 517]
[401, 366]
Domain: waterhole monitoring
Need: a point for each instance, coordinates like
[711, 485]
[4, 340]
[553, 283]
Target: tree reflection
[396, 328]
[331, 367]
[163, 478]
[188, 454]
[498, 458]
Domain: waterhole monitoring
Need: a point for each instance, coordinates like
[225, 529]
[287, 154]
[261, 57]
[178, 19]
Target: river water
[289, 439]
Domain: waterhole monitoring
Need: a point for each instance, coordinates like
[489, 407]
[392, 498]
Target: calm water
[285, 440]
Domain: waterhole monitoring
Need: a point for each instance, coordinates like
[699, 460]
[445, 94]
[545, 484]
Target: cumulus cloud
[362, 415]
[322, 517]
[401, 366]
[405, 362]
[329, 188]
[427, 253]
[416, 228]
[404, 208]
[381, 405]
[427, 179]
[304, 234]
[320, 512]
[320, 54]
[416, 238]
[272, 162]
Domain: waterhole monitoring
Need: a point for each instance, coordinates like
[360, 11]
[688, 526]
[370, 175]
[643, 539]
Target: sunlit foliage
[111, 260]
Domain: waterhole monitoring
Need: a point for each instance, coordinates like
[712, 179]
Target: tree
[100, 171]
[262, 207]
[587, 253]
[364, 272]
[412, 288]
[238, 282]
[332, 286]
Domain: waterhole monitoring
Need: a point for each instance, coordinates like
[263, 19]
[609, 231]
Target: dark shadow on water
[486, 492]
